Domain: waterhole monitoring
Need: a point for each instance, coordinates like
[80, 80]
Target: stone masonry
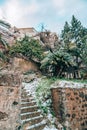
[70, 105]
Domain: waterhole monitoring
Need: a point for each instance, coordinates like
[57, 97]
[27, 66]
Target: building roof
[31, 29]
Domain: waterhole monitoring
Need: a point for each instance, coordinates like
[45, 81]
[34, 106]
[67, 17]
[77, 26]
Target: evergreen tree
[74, 37]
[66, 33]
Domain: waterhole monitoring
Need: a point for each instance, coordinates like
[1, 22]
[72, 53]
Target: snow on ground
[68, 84]
[31, 88]
[50, 128]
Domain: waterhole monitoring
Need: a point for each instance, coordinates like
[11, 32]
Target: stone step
[24, 91]
[25, 96]
[27, 99]
[38, 126]
[24, 104]
[33, 120]
[29, 109]
[30, 115]
[29, 91]
[28, 102]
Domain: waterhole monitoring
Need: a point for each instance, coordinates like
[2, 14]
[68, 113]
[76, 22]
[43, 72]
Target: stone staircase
[31, 117]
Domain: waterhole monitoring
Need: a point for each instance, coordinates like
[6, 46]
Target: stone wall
[9, 101]
[70, 105]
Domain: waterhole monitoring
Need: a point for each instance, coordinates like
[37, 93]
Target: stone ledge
[68, 84]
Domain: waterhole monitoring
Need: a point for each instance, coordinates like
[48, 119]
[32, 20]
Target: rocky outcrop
[6, 33]
[9, 101]
[22, 65]
[3, 115]
[9, 79]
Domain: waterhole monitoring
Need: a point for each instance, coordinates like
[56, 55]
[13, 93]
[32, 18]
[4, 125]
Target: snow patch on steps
[31, 88]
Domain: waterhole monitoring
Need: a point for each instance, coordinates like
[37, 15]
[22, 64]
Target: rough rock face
[3, 115]
[9, 101]
[9, 79]
[22, 65]
[70, 104]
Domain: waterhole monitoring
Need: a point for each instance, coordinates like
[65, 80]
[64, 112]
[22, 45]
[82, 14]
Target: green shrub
[29, 48]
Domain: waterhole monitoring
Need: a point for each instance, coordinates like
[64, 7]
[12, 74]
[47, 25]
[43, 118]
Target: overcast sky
[51, 13]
